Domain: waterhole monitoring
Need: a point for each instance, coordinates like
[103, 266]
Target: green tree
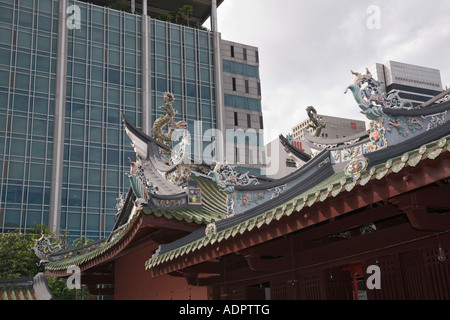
[18, 260]
[181, 17]
[119, 5]
[186, 11]
[16, 257]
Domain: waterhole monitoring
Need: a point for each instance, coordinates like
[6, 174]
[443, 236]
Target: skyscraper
[68, 70]
[414, 83]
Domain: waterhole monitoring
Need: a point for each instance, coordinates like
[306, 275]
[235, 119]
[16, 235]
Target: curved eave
[189, 215]
[184, 219]
[295, 151]
[99, 255]
[137, 135]
[302, 206]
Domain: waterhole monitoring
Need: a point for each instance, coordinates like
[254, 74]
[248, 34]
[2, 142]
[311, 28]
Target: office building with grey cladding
[414, 83]
[67, 76]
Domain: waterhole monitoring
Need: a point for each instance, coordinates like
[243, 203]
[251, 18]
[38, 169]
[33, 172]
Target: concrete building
[414, 83]
[69, 70]
[335, 127]
[242, 99]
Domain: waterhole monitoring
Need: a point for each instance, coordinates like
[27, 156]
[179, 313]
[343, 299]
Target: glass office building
[63, 88]
[414, 83]
[28, 37]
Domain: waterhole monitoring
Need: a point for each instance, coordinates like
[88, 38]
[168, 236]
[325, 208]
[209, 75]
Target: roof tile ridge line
[362, 135]
[284, 206]
[212, 186]
[30, 294]
[186, 214]
[213, 192]
[210, 191]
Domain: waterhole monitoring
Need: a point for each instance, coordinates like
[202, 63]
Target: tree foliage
[16, 257]
[18, 260]
[119, 5]
[182, 17]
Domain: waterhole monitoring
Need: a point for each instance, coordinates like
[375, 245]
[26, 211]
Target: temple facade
[366, 217]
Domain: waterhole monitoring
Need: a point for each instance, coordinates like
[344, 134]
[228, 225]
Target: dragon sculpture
[366, 91]
[317, 124]
[167, 120]
[226, 178]
[44, 246]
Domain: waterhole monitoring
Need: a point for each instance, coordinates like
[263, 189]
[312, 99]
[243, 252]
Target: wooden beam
[419, 205]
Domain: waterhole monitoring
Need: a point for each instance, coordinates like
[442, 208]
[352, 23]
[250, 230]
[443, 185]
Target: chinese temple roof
[224, 205]
[329, 187]
[32, 288]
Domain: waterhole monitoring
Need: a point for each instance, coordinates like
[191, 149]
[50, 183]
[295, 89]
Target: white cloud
[307, 48]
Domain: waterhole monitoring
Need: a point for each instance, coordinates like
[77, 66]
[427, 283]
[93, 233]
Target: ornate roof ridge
[317, 194]
[333, 143]
[440, 98]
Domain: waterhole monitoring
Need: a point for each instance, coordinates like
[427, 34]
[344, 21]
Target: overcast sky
[307, 48]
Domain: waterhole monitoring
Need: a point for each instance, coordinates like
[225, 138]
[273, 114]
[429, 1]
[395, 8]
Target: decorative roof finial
[317, 124]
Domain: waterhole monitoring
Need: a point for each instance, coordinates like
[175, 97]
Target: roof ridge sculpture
[371, 100]
[389, 134]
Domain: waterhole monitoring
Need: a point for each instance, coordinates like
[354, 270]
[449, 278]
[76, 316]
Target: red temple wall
[133, 282]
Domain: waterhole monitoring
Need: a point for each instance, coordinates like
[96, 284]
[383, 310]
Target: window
[236, 119]
[35, 195]
[93, 199]
[249, 121]
[240, 68]
[261, 124]
[247, 90]
[94, 176]
[15, 170]
[245, 54]
[232, 51]
[234, 83]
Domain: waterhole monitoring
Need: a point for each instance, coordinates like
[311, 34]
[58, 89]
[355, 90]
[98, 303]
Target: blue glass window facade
[28, 37]
[185, 68]
[103, 81]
